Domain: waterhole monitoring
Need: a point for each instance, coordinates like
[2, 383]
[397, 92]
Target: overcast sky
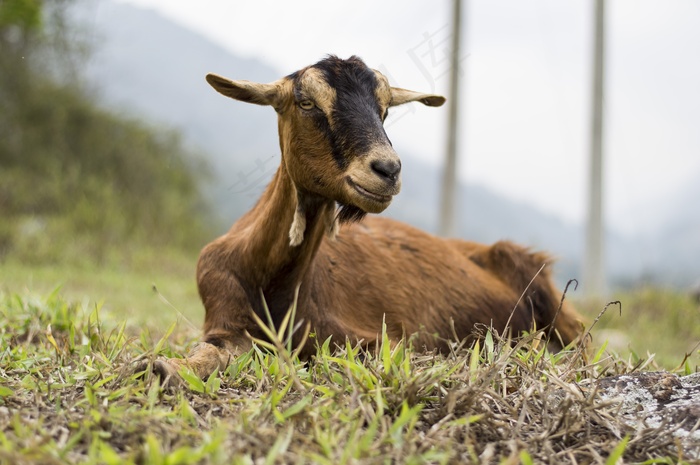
[526, 75]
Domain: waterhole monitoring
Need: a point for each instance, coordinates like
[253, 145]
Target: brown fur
[376, 270]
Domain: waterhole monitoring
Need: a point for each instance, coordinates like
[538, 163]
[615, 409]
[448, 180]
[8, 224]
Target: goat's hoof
[164, 369]
[167, 372]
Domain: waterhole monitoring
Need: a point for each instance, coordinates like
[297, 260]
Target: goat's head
[332, 136]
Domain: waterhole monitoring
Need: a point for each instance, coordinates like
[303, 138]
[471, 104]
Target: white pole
[449, 179]
[594, 263]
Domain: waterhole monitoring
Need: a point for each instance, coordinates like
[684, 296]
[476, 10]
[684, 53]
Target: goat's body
[418, 284]
[376, 271]
[338, 165]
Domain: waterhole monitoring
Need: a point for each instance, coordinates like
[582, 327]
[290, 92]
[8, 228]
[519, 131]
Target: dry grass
[68, 395]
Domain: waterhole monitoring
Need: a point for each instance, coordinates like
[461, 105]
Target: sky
[526, 83]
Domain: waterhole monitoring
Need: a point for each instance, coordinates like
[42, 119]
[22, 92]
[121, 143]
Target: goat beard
[350, 214]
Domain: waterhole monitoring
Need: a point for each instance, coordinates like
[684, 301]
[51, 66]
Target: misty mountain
[146, 65]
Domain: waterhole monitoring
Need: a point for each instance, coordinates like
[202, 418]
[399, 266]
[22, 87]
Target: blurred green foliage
[23, 14]
[78, 183]
[649, 321]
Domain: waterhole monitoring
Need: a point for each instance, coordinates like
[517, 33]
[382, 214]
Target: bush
[77, 181]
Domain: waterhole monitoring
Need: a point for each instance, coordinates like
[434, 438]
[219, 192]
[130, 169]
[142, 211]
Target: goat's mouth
[382, 199]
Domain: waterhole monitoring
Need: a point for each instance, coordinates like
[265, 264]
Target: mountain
[149, 66]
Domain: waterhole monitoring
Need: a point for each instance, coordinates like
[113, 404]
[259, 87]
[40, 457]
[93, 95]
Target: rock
[659, 400]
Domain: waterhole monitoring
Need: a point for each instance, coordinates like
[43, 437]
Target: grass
[151, 291]
[68, 394]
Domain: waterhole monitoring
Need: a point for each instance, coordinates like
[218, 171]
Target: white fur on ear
[296, 232]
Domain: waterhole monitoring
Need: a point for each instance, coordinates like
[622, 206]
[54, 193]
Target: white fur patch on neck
[296, 232]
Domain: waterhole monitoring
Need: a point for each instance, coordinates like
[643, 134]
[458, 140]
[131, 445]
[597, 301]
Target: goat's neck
[267, 226]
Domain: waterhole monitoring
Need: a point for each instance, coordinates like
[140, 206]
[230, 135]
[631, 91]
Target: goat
[308, 235]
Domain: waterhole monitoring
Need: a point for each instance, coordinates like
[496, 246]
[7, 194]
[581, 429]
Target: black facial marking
[356, 113]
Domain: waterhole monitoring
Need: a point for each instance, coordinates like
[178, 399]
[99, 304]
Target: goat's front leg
[226, 324]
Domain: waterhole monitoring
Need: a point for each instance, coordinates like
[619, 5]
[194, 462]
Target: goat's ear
[401, 96]
[245, 91]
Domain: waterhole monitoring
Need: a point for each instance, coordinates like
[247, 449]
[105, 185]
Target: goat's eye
[306, 104]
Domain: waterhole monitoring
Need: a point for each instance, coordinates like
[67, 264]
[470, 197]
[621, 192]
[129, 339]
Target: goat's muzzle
[381, 198]
[374, 179]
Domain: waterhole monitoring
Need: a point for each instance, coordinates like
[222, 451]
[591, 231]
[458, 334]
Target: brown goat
[337, 165]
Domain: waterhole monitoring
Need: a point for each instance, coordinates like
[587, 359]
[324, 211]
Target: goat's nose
[388, 169]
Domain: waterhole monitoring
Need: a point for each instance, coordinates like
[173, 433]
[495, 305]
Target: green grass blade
[279, 447]
[161, 342]
[194, 382]
[617, 452]
[298, 407]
